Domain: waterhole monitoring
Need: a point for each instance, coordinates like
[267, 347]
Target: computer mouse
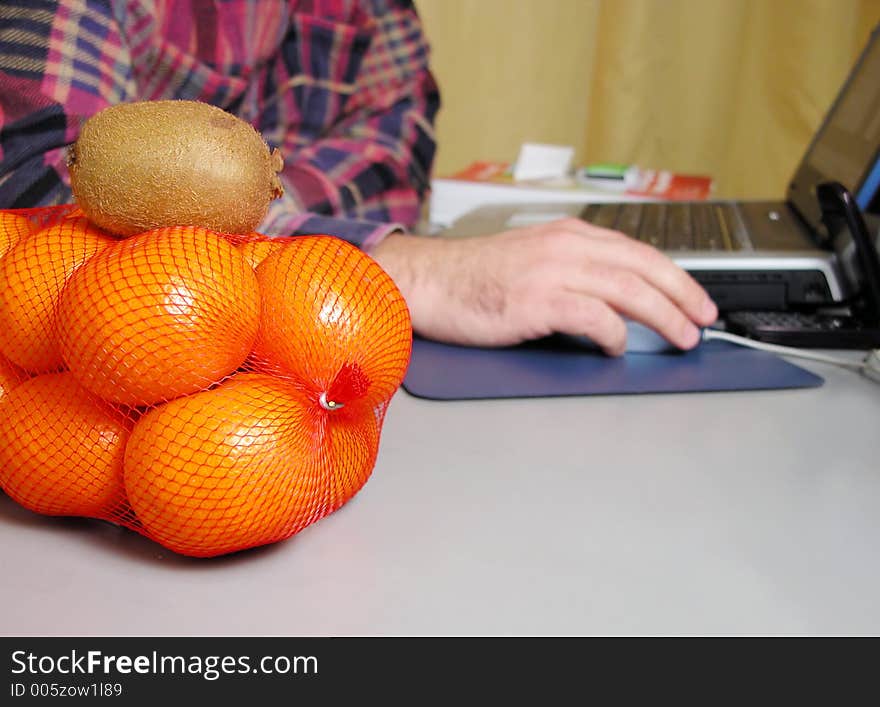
[639, 339]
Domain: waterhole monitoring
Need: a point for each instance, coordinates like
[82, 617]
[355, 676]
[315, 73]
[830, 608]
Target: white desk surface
[709, 513]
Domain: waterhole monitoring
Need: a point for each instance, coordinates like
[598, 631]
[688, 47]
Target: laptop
[748, 254]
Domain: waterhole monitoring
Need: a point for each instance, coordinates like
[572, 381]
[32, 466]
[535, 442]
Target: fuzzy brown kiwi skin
[149, 164]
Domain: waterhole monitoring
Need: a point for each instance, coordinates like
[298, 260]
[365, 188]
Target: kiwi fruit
[149, 164]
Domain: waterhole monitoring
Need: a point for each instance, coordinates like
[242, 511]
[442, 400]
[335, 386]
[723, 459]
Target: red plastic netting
[211, 392]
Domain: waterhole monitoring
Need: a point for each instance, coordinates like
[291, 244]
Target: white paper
[537, 161]
[453, 198]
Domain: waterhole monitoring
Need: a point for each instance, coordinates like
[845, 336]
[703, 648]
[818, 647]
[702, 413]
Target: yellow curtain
[731, 88]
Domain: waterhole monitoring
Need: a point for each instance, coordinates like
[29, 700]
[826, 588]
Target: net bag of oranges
[212, 392]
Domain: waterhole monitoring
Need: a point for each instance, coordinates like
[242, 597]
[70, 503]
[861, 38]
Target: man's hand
[566, 276]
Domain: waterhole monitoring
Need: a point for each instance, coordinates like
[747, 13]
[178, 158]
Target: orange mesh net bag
[211, 392]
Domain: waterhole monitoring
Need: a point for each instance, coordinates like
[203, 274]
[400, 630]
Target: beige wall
[509, 71]
[733, 88]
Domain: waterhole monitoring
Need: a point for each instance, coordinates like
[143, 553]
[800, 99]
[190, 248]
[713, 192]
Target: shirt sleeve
[281, 221]
[373, 160]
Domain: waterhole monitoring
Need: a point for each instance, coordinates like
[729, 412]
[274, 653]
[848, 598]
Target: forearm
[449, 293]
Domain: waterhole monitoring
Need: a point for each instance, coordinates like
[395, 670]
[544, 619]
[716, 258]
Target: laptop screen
[846, 148]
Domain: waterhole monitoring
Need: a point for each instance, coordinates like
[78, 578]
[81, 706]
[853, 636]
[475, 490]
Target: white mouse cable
[869, 366]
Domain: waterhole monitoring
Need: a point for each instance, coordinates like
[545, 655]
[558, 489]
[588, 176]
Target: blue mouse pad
[554, 368]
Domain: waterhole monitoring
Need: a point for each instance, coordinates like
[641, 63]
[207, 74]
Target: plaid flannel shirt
[341, 87]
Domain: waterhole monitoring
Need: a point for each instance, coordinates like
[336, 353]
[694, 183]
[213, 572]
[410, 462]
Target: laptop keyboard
[671, 226]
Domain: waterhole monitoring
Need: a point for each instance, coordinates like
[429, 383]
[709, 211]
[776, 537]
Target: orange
[333, 320]
[256, 250]
[75, 212]
[346, 443]
[13, 227]
[247, 463]
[10, 376]
[158, 315]
[32, 274]
[61, 451]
